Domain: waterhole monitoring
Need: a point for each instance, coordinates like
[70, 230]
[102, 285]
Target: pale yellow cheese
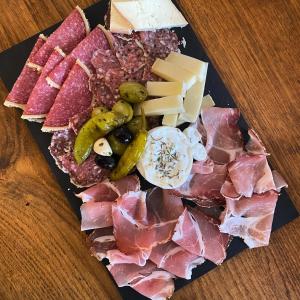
[172, 72]
[207, 102]
[170, 120]
[193, 101]
[180, 120]
[161, 89]
[151, 14]
[118, 23]
[195, 66]
[161, 106]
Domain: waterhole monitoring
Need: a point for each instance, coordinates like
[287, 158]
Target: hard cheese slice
[118, 23]
[195, 66]
[172, 72]
[170, 120]
[161, 89]
[161, 106]
[151, 14]
[207, 102]
[193, 101]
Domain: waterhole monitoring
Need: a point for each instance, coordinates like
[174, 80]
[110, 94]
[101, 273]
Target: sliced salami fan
[74, 97]
[43, 95]
[24, 84]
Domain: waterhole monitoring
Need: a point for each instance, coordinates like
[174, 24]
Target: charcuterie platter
[146, 142]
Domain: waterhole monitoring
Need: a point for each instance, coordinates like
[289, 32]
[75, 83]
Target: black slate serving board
[11, 63]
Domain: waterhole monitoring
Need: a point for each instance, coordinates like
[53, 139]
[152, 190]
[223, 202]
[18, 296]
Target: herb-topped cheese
[167, 159]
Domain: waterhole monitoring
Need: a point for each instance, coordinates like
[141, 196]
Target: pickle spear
[95, 128]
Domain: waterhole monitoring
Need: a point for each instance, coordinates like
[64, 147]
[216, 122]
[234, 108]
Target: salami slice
[40, 100]
[74, 97]
[22, 88]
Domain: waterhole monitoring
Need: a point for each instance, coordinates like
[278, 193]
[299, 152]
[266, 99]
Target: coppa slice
[26, 81]
[73, 98]
[39, 102]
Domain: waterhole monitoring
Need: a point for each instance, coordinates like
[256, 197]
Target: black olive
[123, 135]
[106, 162]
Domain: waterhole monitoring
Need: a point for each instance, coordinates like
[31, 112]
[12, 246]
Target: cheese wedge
[161, 89]
[195, 66]
[207, 102]
[172, 72]
[161, 106]
[118, 24]
[180, 120]
[170, 120]
[193, 101]
[151, 14]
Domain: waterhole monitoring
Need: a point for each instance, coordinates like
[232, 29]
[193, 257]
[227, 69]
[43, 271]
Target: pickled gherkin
[135, 125]
[97, 110]
[133, 92]
[116, 146]
[95, 128]
[123, 108]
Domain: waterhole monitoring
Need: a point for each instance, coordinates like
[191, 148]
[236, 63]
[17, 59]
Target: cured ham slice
[147, 280]
[100, 241]
[73, 98]
[204, 186]
[228, 190]
[139, 258]
[38, 103]
[175, 259]
[110, 191]
[203, 167]
[224, 139]
[200, 235]
[73, 29]
[251, 174]
[141, 223]
[279, 181]
[255, 145]
[250, 218]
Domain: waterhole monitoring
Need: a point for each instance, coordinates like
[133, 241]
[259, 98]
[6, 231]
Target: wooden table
[255, 45]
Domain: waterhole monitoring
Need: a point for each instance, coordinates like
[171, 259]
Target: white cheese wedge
[118, 24]
[195, 66]
[161, 89]
[207, 102]
[161, 106]
[172, 72]
[170, 120]
[167, 159]
[193, 101]
[151, 14]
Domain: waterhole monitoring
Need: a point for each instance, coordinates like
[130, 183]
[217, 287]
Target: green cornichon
[95, 128]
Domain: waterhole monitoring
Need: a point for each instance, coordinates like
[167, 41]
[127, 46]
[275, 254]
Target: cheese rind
[195, 66]
[161, 106]
[162, 89]
[151, 14]
[207, 102]
[118, 24]
[172, 72]
[193, 101]
[170, 120]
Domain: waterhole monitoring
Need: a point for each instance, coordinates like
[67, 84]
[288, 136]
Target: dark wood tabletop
[255, 46]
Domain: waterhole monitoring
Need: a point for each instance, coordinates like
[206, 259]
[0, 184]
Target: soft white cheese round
[168, 158]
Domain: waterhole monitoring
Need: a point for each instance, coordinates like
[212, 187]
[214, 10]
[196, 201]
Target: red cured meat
[203, 167]
[67, 36]
[139, 258]
[204, 186]
[38, 45]
[40, 100]
[100, 241]
[104, 60]
[279, 181]
[224, 139]
[175, 259]
[200, 235]
[228, 190]
[147, 280]
[255, 145]
[73, 98]
[250, 218]
[141, 224]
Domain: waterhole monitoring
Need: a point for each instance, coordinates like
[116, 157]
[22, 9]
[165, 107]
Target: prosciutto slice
[250, 218]
[139, 258]
[176, 260]
[141, 223]
[203, 167]
[147, 280]
[204, 187]
[224, 139]
[255, 145]
[200, 235]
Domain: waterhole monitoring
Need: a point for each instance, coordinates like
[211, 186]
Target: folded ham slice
[115, 256]
[200, 235]
[176, 260]
[147, 280]
[203, 167]
[250, 218]
[224, 139]
[255, 145]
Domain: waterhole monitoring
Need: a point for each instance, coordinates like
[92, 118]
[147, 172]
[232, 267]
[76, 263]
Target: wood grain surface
[255, 45]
